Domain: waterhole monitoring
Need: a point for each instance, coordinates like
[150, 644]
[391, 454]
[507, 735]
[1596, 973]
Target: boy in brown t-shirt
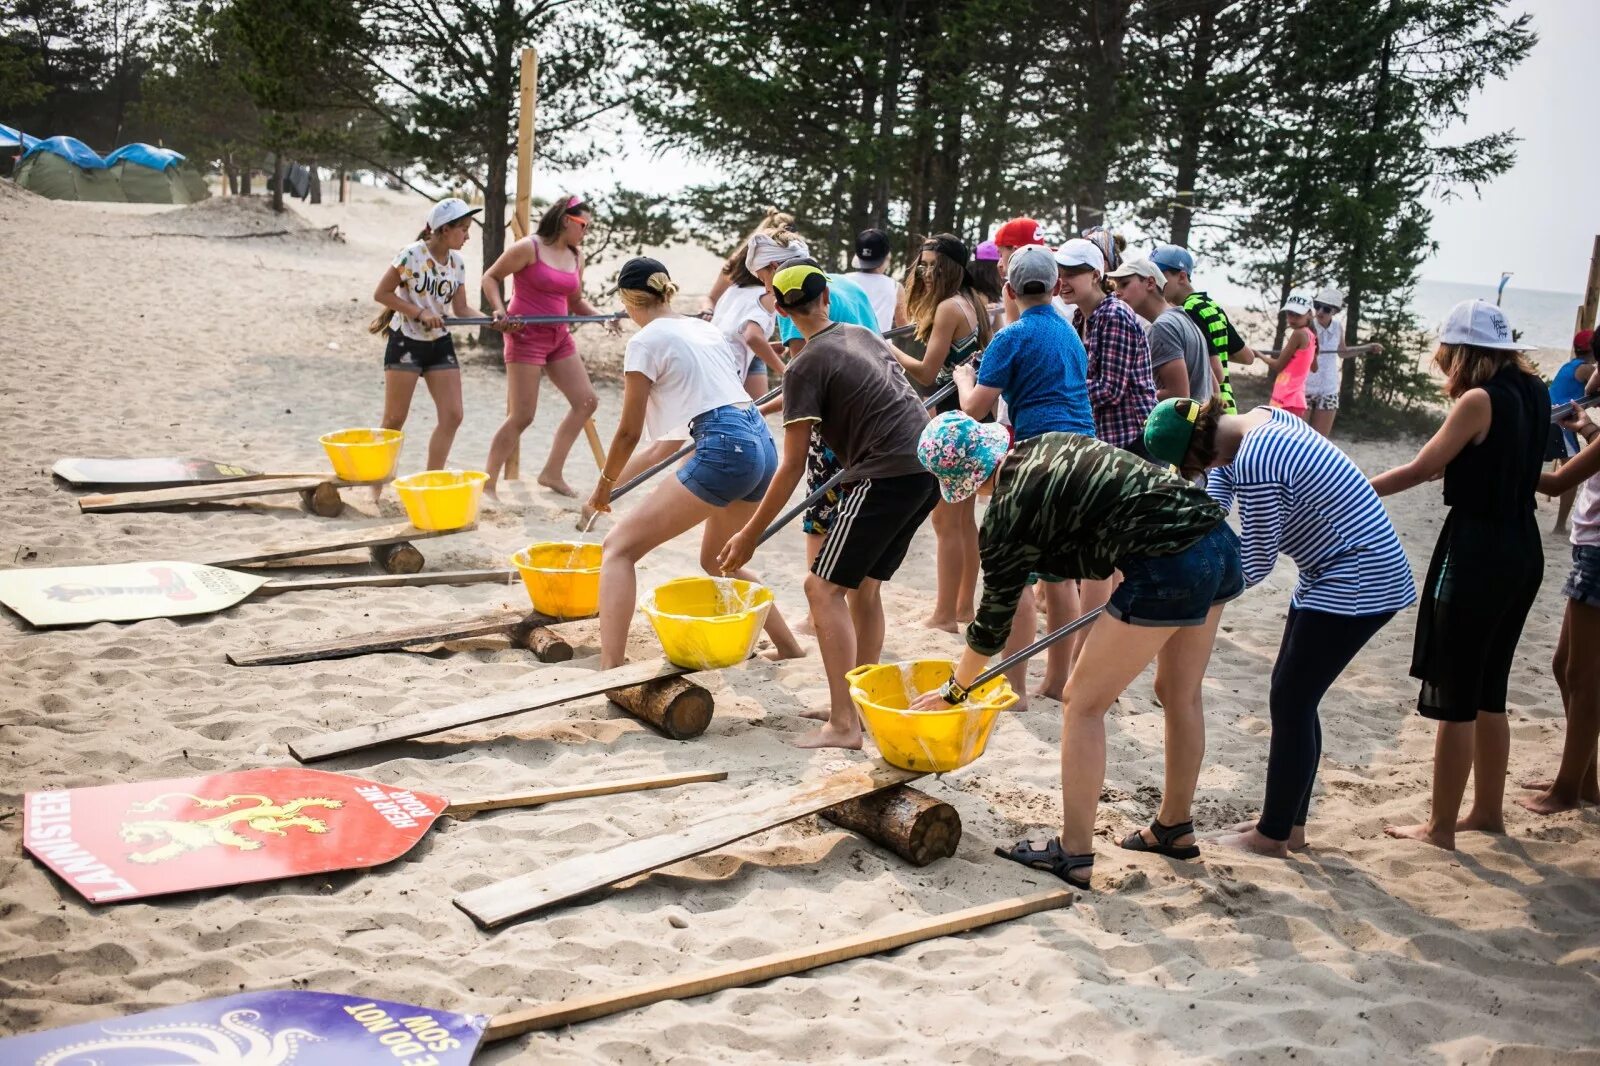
[848, 384]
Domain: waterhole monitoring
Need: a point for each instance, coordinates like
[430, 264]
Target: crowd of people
[1086, 393]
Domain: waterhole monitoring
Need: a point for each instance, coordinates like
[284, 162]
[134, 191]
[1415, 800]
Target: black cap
[949, 247]
[872, 247]
[637, 272]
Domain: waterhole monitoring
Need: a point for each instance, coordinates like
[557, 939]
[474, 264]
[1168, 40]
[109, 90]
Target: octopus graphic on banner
[121, 842]
[261, 1029]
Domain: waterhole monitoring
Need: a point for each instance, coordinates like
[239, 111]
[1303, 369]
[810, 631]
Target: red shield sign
[121, 842]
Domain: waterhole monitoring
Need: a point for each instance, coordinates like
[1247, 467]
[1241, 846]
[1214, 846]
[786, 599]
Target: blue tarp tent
[64, 168]
[71, 149]
[15, 138]
[146, 155]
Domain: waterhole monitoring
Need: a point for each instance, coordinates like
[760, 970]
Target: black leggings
[1316, 648]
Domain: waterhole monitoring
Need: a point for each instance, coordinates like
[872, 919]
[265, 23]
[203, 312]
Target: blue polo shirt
[847, 302]
[1039, 366]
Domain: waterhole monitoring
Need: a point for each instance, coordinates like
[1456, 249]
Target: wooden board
[467, 808]
[163, 470]
[228, 490]
[540, 890]
[395, 640]
[530, 697]
[357, 537]
[768, 967]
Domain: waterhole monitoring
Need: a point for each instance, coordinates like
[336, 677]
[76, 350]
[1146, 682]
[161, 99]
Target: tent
[64, 168]
[151, 175]
[15, 138]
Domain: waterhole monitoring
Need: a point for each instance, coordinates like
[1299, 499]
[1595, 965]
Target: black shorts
[419, 357]
[873, 527]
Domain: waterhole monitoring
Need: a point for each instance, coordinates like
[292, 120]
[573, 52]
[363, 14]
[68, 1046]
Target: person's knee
[618, 547]
[1175, 695]
[586, 405]
[450, 418]
[822, 591]
[519, 419]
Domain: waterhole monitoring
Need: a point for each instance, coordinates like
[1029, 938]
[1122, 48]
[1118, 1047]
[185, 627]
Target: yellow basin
[363, 454]
[562, 577]
[706, 623]
[930, 741]
[441, 499]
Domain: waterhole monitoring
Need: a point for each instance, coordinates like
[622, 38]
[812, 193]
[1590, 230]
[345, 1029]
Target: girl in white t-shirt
[677, 371]
[426, 281]
[745, 316]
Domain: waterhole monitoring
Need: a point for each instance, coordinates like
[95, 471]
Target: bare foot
[1548, 802]
[1542, 785]
[1051, 690]
[1549, 784]
[789, 649]
[1297, 835]
[829, 737]
[491, 491]
[1422, 832]
[1481, 823]
[949, 625]
[557, 485]
[815, 715]
[805, 627]
[1252, 840]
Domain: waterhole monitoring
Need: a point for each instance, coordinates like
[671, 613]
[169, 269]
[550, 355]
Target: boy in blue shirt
[1038, 366]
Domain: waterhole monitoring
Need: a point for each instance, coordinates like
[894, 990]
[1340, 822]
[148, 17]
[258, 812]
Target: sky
[1546, 202]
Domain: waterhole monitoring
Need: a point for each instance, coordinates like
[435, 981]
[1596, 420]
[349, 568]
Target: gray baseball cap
[1032, 270]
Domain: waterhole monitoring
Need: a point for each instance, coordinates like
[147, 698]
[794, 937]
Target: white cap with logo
[1482, 325]
[1298, 303]
[450, 209]
[1081, 253]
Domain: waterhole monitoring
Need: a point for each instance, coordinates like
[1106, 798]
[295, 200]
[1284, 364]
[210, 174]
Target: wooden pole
[768, 967]
[555, 795]
[521, 223]
[1591, 291]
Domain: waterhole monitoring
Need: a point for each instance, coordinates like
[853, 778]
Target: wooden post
[1591, 291]
[912, 824]
[680, 709]
[521, 223]
[401, 558]
[547, 645]
[323, 500]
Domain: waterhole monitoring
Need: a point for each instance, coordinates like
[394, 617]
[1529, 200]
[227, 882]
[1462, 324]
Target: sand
[1363, 949]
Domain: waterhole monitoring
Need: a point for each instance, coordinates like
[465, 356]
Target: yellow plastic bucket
[363, 454]
[930, 741]
[706, 623]
[441, 499]
[562, 577]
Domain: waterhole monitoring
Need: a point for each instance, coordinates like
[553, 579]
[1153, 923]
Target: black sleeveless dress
[1489, 560]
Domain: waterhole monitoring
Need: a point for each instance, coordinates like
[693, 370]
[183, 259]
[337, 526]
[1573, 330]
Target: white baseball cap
[1329, 296]
[1298, 303]
[1081, 253]
[451, 209]
[1482, 325]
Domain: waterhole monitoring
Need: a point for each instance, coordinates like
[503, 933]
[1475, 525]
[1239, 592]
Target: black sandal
[1051, 858]
[1165, 836]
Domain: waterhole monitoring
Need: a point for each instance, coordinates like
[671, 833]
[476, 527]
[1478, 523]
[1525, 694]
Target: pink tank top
[1289, 390]
[541, 289]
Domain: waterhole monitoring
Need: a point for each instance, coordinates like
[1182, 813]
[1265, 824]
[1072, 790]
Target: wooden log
[768, 967]
[675, 706]
[592, 433]
[323, 500]
[547, 645]
[401, 558]
[521, 210]
[908, 822]
[552, 885]
[1591, 289]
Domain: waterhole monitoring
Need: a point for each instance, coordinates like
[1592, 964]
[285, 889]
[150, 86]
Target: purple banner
[261, 1029]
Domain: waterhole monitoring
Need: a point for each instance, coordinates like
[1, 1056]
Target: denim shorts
[1583, 583]
[1181, 589]
[734, 456]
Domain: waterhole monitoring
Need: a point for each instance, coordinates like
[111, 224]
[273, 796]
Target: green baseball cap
[1169, 429]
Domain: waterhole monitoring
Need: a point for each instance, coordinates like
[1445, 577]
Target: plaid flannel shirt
[1122, 387]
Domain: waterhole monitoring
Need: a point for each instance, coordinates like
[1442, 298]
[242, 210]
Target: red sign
[121, 842]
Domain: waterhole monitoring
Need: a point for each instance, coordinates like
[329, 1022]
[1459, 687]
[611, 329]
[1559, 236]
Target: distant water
[1543, 318]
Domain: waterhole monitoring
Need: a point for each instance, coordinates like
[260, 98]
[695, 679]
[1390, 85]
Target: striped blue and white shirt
[1297, 494]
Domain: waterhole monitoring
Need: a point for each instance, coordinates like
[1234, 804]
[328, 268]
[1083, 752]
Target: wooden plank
[226, 490]
[605, 788]
[531, 697]
[768, 967]
[367, 537]
[540, 890]
[521, 212]
[395, 640]
[390, 581]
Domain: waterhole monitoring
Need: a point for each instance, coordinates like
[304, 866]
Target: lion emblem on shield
[173, 837]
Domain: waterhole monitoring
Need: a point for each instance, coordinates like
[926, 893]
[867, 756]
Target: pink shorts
[538, 345]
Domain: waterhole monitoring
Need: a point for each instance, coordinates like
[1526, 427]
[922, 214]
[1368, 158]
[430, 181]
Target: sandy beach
[139, 330]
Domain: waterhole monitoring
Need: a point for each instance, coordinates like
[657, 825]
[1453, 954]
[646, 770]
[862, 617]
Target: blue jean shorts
[1181, 589]
[734, 456]
[1583, 583]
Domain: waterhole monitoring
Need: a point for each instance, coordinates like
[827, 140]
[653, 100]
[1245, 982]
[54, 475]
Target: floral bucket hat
[961, 452]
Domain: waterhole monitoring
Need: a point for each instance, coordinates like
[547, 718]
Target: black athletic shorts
[419, 357]
[872, 528]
